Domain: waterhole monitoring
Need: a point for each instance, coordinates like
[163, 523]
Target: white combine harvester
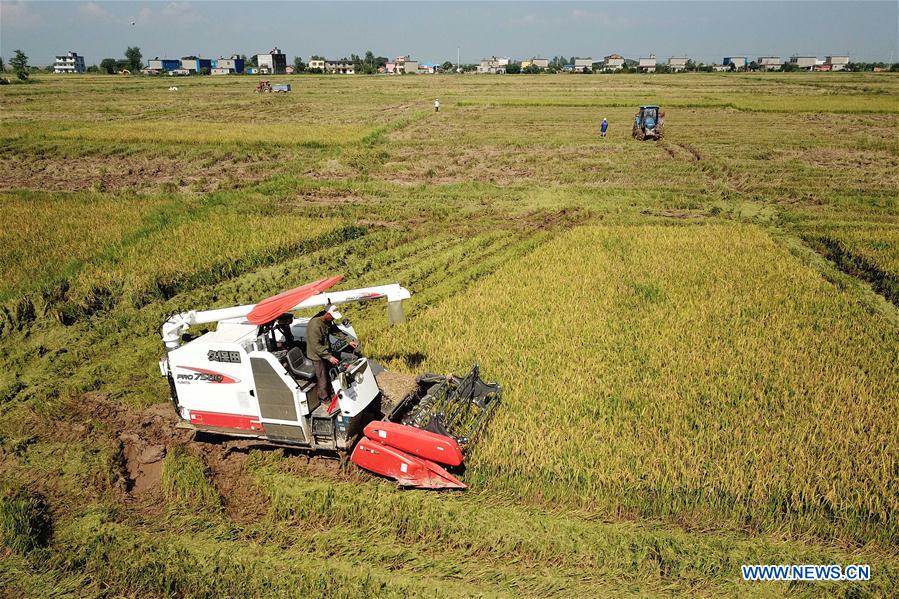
[250, 378]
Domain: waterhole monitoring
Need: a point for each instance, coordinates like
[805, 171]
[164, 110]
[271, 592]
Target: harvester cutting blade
[448, 405]
[406, 469]
[421, 443]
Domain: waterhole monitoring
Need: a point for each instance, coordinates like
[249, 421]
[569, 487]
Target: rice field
[697, 338]
[641, 376]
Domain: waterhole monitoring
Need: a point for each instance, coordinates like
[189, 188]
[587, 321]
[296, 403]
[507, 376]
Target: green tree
[108, 66]
[513, 68]
[298, 65]
[2, 66]
[357, 62]
[370, 65]
[133, 56]
[691, 65]
[19, 64]
[93, 69]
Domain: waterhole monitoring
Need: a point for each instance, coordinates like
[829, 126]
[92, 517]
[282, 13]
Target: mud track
[145, 437]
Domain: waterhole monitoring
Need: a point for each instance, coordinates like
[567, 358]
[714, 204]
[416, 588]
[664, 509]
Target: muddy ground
[136, 173]
[145, 436]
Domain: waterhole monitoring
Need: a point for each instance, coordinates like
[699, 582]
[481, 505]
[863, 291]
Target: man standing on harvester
[318, 347]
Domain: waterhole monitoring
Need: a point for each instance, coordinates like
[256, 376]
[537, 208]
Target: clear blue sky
[431, 31]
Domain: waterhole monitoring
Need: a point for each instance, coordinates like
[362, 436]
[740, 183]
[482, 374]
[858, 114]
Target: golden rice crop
[699, 372]
[216, 244]
[45, 234]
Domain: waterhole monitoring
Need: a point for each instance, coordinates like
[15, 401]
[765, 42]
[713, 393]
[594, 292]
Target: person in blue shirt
[603, 128]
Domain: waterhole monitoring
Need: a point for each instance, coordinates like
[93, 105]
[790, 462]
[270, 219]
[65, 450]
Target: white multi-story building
[494, 64]
[405, 64]
[739, 63]
[70, 62]
[315, 63]
[613, 62]
[837, 63]
[275, 62]
[648, 65]
[583, 65]
[340, 67]
[769, 63]
[678, 64]
[804, 62]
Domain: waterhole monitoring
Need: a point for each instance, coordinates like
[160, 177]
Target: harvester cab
[648, 123]
[250, 377]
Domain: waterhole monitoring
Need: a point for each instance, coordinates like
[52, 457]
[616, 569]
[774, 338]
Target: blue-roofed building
[163, 65]
[227, 66]
[195, 64]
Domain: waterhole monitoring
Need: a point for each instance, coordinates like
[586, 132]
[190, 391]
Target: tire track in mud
[692, 150]
[143, 438]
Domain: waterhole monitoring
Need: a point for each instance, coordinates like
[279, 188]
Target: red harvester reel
[429, 429]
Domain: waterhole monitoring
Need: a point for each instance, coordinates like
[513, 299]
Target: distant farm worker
[603, 128]
[318, 347]
[437, 105]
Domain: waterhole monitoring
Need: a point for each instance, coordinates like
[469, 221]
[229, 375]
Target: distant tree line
[371, 64]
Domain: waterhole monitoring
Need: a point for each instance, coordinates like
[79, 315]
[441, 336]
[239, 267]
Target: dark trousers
[322, 381]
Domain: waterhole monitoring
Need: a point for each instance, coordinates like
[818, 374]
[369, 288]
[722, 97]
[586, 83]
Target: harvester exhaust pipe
[395, 313]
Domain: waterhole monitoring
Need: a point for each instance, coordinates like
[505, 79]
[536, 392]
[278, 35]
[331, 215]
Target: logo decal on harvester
[201, 375]
[232, 357]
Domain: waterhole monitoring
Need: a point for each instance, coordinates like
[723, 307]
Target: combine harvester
[251, 378]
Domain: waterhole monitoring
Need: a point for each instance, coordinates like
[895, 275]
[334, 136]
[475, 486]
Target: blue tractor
[648, 123]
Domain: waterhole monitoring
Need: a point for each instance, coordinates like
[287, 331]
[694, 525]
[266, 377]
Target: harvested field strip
[489, 538]
[722, 426]
[206, 133]
[844, 103]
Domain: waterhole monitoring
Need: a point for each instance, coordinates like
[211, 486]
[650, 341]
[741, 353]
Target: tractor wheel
[638, 134]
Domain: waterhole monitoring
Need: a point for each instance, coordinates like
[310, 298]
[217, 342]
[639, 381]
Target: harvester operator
[318, 347]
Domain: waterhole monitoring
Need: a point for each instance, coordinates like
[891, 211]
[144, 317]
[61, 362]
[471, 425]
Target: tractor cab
[648, 123]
